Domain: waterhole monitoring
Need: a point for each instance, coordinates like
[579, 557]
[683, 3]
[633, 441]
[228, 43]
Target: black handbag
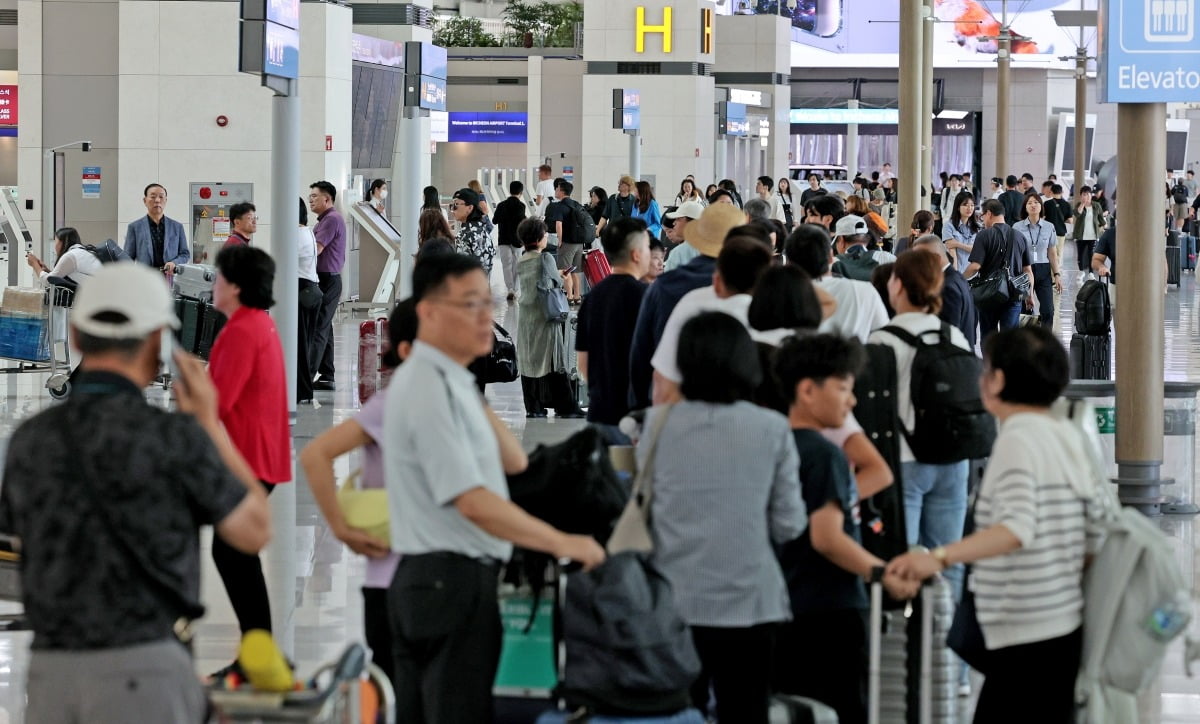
[501, 365]
[965, 636]
[994, 290]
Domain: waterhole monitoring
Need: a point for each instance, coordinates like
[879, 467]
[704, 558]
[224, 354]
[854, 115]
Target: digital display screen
[434, 62]
[512, 127]
[281, 51]
[284, 12]
[433, 93]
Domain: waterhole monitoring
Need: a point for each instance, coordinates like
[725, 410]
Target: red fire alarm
[329, 143]
[222, 121]
[205, 192]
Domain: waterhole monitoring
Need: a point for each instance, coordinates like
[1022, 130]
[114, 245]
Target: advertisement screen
[284, 12]
[281, 51]
[859, 34]
[489, 127]
[433, 94]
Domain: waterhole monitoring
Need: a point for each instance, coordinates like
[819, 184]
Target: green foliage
[462, 32]
[551, 24]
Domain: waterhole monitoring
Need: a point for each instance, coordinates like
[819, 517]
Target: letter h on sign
[706, 30]
[643, 29]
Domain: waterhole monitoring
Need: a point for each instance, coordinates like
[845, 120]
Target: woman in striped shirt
[1033, 533]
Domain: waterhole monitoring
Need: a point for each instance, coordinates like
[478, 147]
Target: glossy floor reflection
[315, 582]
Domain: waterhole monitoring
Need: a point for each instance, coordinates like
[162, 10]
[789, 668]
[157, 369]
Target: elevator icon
[1170, 21]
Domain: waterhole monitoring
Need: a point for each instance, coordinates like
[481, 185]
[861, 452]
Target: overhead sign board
[889, 116]
[283, 12]
[376, 51]
[1149, 51]
[747, 97]
[489, 127]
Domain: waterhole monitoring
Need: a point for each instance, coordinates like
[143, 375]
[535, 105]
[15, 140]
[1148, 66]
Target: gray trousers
[152, 682]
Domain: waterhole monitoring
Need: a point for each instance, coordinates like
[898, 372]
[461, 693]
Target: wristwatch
[876, 575]
[939, 555]
[1057, 274]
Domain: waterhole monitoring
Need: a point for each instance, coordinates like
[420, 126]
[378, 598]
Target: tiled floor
[315, 582]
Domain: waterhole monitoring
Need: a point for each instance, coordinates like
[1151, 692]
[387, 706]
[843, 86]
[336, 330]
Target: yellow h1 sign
[706, 30]
[664, 29]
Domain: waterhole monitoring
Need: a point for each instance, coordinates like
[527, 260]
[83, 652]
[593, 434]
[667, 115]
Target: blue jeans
[1006, 317]
[935, 508]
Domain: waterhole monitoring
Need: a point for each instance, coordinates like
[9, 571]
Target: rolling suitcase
[1090, 357]
[595, 266]
[912, 674]
[1174, 254]
[194, 281]
[372, 341]
[211, 323]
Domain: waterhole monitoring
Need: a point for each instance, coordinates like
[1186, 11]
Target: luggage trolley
[334, 697]
[38, 342]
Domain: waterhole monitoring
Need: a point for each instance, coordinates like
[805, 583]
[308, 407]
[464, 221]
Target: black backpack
[950, 422]
[583, 227]
[108, 252]
[1179, 193]
[1092, 311]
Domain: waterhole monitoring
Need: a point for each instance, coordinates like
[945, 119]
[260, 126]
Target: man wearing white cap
[109, 525]
[854, 260]
[681, 217]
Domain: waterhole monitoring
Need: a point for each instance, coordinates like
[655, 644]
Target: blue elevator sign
[1149, 51]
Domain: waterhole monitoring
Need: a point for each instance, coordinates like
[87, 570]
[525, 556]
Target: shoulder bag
[632, 532]
[552, 295]
[501, 365]
[965, 636]
[365, 509]
[993, 291]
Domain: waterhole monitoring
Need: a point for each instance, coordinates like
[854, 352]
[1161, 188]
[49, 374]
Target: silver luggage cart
[51, 351]
[336, 698]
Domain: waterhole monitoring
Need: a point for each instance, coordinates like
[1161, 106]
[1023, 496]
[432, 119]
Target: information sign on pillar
[425, 69]
[8, 105]
[269, 42]
[731, 120]
[1149, 51]
[627, 109]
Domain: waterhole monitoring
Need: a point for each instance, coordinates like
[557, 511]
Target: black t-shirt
[1058, 212]
[1012, 200]
[989, 244]
[508, 216]
[814, 582]
[810, 192]
[160, 478]
[606, 322]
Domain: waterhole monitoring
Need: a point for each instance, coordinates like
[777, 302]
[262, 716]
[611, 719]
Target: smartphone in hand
[166, 353]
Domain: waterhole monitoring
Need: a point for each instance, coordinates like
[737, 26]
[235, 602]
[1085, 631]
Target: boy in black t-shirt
[822, 652]
[508, 216]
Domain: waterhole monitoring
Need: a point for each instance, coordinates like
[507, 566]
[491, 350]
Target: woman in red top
[246, 365]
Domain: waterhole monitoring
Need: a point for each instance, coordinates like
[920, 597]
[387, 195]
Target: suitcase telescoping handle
[875, 646]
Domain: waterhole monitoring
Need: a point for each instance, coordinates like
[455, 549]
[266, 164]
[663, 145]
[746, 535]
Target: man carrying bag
[1005, 272]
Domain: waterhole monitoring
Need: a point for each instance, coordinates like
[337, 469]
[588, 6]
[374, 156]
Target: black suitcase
[211, 322]
[1174, 262]
[1090, 357]
[190, 312]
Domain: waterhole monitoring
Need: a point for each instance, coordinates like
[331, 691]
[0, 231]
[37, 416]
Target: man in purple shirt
[330, 232]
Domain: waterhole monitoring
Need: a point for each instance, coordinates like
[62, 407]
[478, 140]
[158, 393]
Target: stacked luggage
[200, 322]
[1091, 343]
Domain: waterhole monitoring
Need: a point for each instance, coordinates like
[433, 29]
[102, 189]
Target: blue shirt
[652, 216]
[657, 305]
[440, 445]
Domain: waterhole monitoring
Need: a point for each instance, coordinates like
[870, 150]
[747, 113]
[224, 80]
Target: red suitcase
[372, 341]
[595, 266]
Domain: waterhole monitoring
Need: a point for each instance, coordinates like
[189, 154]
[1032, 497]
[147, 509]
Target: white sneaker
[964, 690]
[1083, 275]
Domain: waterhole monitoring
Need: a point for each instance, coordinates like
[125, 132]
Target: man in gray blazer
[154, 239]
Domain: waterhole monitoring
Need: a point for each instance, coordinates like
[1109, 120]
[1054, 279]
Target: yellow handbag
[365, 510]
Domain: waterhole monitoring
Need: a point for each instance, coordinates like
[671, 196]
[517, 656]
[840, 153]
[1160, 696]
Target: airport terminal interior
[225, 103]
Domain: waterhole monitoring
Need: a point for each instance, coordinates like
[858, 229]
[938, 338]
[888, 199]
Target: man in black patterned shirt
[109, 525]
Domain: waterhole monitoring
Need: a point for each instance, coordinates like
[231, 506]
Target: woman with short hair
[726, 487]
[474, 235]
[1036, 515]
[246, 366]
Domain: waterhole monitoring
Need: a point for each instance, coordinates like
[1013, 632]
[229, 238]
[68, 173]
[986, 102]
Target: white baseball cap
[690, 209]
[850, 225]
[127, 290]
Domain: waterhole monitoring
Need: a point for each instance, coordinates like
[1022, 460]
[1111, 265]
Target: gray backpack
[1135, 599]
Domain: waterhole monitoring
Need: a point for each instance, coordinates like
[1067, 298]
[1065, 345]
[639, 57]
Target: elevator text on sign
[1149, 51]
[666, 30]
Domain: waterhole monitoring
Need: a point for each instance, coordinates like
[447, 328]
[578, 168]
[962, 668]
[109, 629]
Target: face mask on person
[383, 194]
